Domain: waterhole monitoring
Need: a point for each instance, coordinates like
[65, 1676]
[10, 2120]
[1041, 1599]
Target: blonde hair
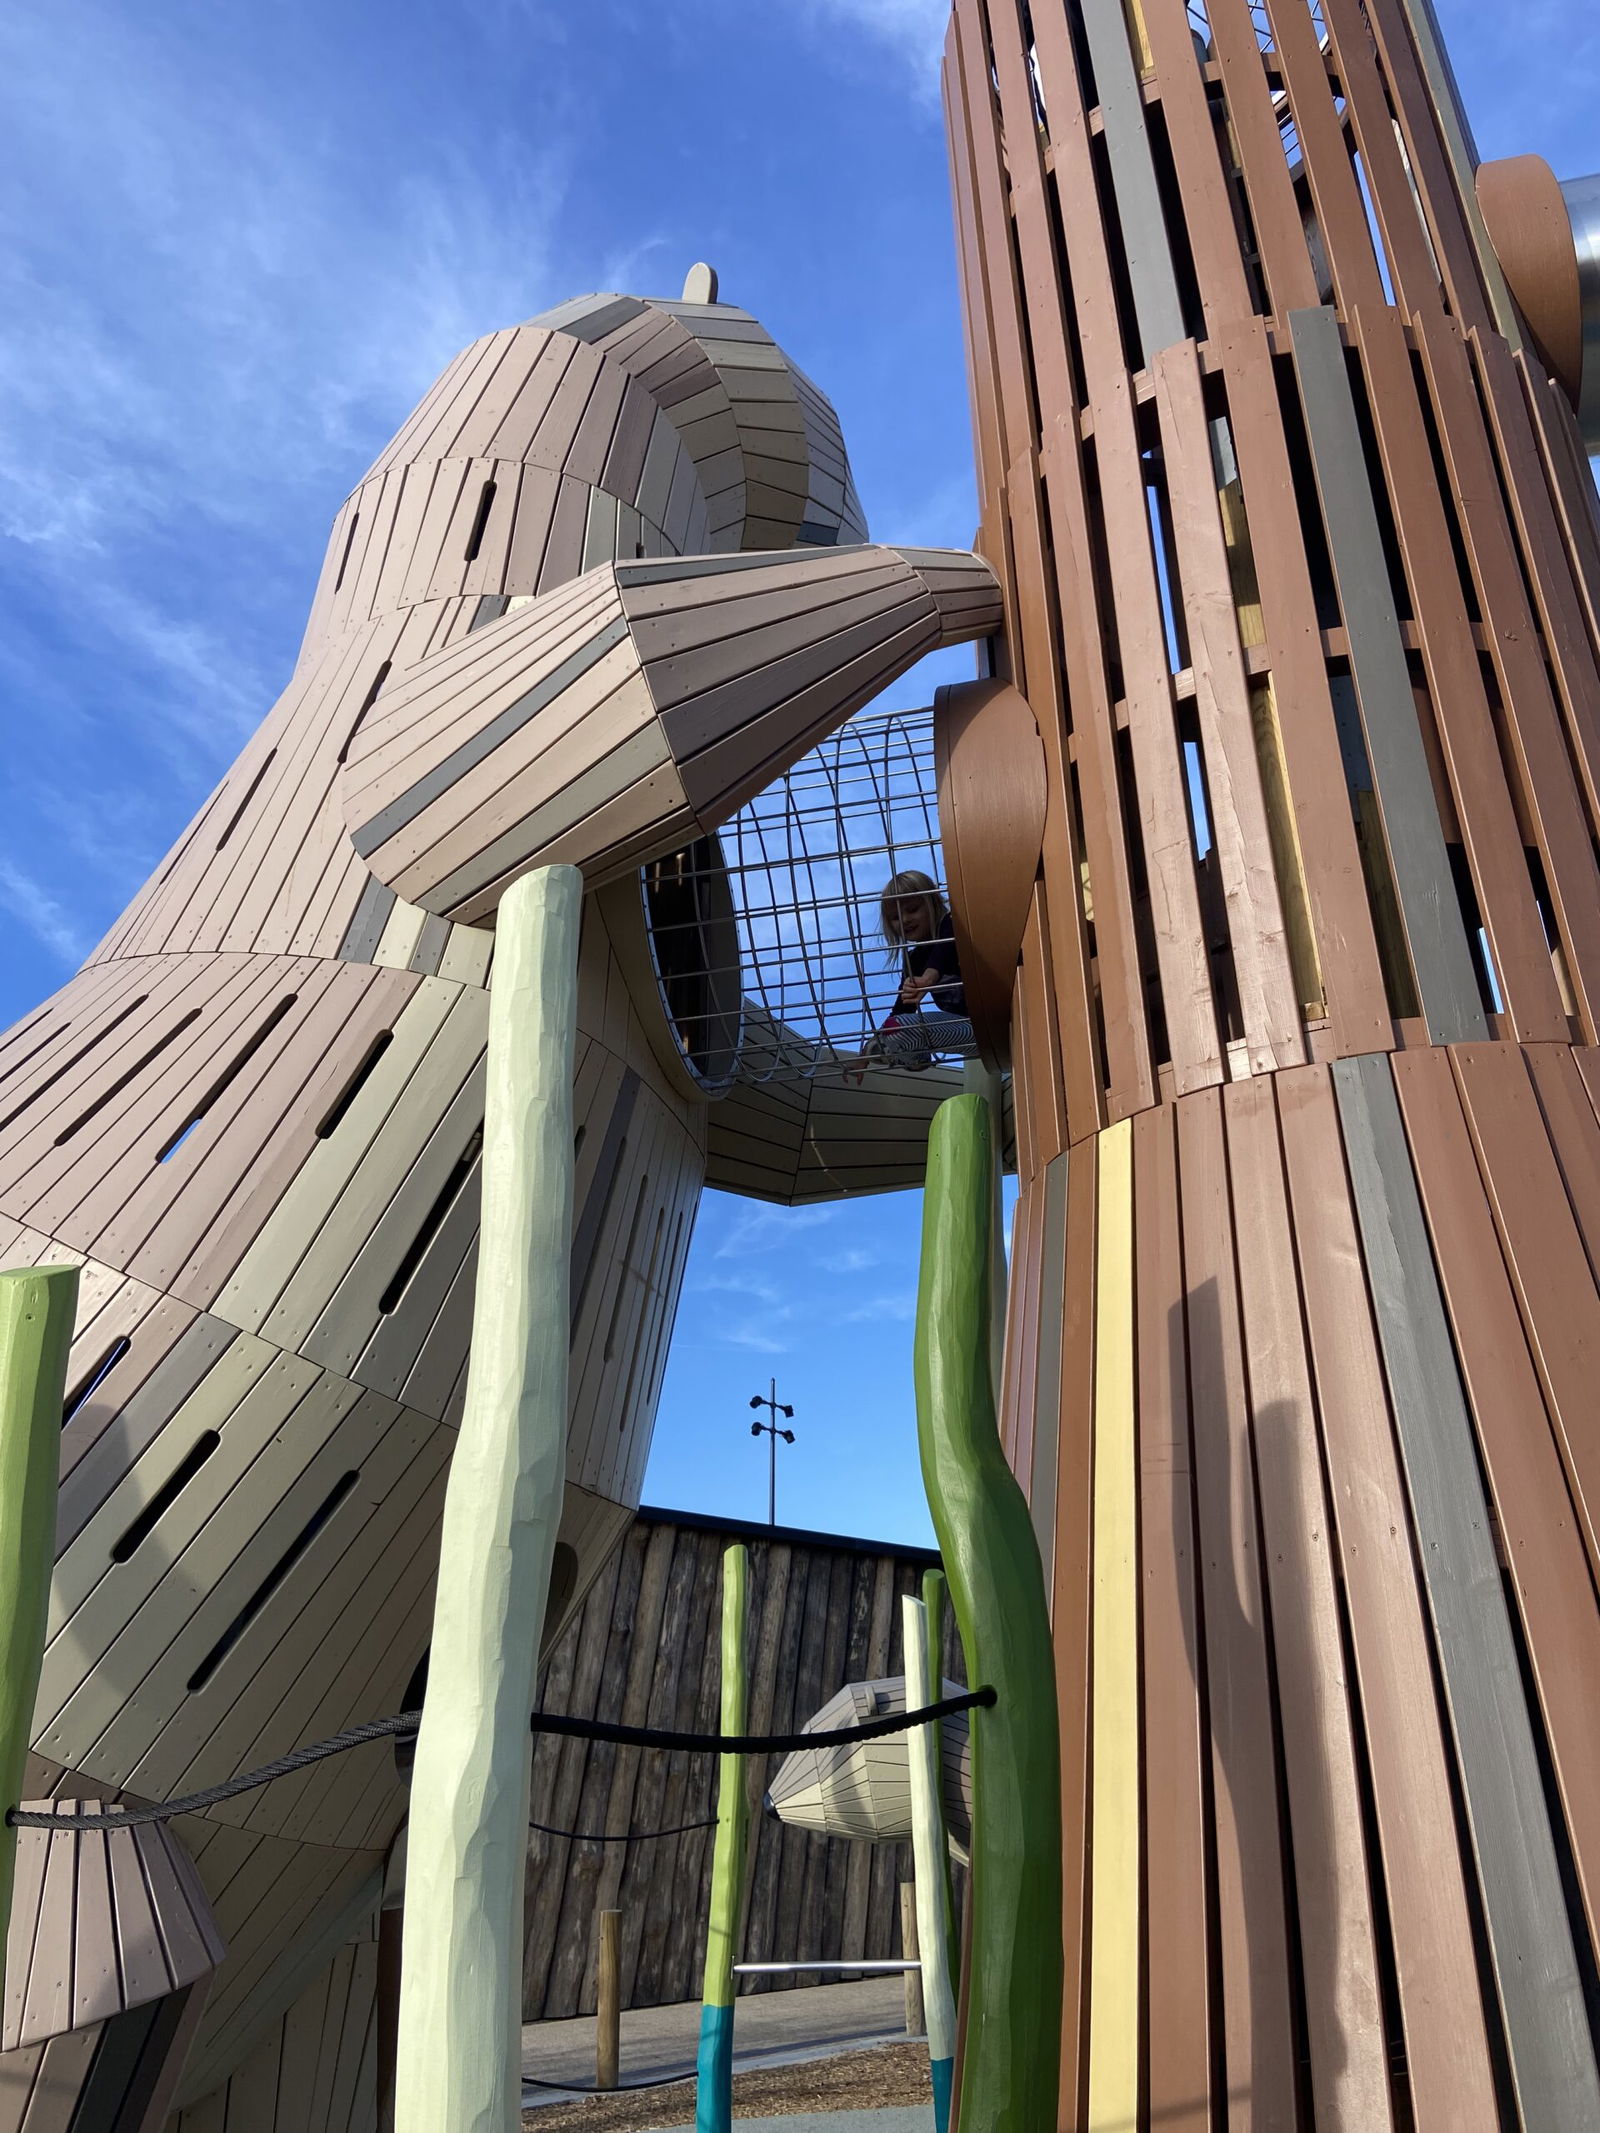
[909, 887]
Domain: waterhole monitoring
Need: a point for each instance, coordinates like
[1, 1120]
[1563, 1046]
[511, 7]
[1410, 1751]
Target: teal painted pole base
[943, 2072]
[713, 2096]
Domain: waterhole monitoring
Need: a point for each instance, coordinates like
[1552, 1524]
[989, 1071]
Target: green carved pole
[930, 1850]
[460, 2029]
[37, 1306]
[713, 2108]
[1010, 2061]
[933, 1600]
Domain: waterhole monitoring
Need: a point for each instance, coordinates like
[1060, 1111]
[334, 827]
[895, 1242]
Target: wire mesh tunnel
[768, 938]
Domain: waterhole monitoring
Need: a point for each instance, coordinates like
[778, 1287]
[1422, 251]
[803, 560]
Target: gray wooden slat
[48, 2008]
[366, 927]
[591, 1216]
[145, 1974]
[1547, 2034]
[95, 1981]
[123, 2043]
[1133, 179]
[139, 1421]
[482, 743]
[1440, 956]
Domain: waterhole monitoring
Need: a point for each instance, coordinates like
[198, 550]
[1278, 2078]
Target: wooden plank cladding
[1297, 559]
[632, 710]
[1292, 571]
[823, 1612]
[1318, 1357]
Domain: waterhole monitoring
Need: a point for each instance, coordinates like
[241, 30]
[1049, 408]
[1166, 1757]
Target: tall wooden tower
[1281, 474]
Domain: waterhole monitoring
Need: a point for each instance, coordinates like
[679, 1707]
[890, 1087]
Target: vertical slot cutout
[626, 1272]
[69, 1132]
[82, 1393]
[250, 792]
[353, 1087]
[349, 543]
[229, 1074]
[79, 1055]
[449, 1192]
[165, 1497]
[480, 519]
[273, 1579]
[367, 703]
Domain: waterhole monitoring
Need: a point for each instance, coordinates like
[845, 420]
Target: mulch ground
[850, 2081]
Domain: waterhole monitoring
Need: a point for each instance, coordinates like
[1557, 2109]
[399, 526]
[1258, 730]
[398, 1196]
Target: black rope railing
[626, 1836]
[542, 1722]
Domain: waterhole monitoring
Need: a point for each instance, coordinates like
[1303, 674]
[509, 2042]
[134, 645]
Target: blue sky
[236, 244]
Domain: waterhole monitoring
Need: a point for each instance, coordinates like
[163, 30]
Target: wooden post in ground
[713, 2110]
[1010, 2063]
[931, 1849]
[461, 1965]
[608, 2002]
[911, 1949]
[37, 1305]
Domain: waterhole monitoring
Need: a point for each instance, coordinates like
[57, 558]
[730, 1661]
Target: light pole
[772, 1434]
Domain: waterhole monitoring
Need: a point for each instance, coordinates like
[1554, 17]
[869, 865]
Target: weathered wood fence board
[824, 1610]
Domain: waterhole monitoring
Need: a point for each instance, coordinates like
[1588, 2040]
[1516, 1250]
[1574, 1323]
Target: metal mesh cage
[768, 938]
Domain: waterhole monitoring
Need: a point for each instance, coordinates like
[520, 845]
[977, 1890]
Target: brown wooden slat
[1543, 1543]
[1451, 2081]
[1461, 709]
[1163, 809]
[1544, 1252]
[1531, 722]
[1177, 1928]
[1285, 261]
[1338, 1940]
[1256, 2014]
[1258, 940]
[1426, 153]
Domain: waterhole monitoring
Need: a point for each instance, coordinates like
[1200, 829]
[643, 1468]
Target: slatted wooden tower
[610, 579]
[1302, 582]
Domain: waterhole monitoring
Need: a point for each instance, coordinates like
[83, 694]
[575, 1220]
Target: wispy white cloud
[853, 1261]
[758, 1228]
[897, 1308]
[221, 294]
[912, 30]
[44, 918]
[756, 1336]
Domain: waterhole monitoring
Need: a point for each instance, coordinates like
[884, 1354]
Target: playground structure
[255, 1118]
[1270, 840]
[1281, 471]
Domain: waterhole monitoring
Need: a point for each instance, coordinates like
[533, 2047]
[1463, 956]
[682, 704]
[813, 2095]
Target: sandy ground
[849, 2081]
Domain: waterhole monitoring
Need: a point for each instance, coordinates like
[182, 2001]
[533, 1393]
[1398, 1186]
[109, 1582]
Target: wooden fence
[824, 1610]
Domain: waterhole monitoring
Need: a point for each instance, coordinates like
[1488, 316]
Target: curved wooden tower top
[1298, 546]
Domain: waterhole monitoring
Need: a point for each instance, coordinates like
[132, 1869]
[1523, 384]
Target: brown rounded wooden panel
[991, 772]
[1532, 236]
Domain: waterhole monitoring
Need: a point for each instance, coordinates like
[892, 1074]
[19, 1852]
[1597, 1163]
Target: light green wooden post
[933, 1600]
[459, 2057]
[1010, 2063]
[930, 1849]
[37, 1306]
[713, 2108]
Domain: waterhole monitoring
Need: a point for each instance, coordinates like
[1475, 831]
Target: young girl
[916, 920]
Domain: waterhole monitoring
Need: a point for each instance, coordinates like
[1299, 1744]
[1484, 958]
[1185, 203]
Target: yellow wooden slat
[1114, 1867]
